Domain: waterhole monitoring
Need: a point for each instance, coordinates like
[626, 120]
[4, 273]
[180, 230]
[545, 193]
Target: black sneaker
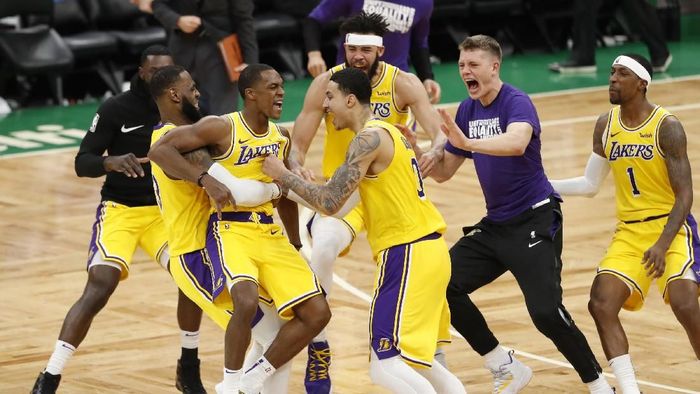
[187, 378]
[46, 383]
[662, 65]
[572, 67]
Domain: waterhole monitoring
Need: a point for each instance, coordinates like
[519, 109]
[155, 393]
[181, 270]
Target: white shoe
[512, 377]
[219, 388]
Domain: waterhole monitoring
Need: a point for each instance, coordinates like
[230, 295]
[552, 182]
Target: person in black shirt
[127, 217]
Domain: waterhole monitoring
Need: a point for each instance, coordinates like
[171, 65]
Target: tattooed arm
[329, 198]
[673, 143]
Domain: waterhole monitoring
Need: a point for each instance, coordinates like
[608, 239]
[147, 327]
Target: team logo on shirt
[382, 110]
[484, 128]
[251, 152]
[617, 150]
[93, 126]
[398, 16]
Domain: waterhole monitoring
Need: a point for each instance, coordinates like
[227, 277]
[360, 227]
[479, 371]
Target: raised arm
[411, 93]
[596, 170]
[673, 145]
[306, 124]
[330, 197]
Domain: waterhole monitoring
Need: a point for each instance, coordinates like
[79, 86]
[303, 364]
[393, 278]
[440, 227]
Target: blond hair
[483, 42]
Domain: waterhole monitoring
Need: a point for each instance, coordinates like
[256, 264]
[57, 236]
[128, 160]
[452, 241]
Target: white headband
[363, 39]
[634, 66]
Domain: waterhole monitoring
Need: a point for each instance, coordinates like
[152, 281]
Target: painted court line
[365, 297]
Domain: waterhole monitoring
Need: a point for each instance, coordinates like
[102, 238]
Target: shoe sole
[664, 67]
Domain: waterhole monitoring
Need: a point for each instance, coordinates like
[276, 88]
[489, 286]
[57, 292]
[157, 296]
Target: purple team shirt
[409, 22]
[511, 184]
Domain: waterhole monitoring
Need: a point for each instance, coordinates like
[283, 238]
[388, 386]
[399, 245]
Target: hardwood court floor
[45, 222]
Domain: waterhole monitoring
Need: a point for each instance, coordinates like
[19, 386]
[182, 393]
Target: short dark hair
[250, 75]
[483, 42]
[163, 79]
[353, 81]
[153, 50]
[643, 61]
[365, 23]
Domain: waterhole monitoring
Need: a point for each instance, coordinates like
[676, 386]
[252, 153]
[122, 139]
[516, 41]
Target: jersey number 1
[635, 190]
[419, 178]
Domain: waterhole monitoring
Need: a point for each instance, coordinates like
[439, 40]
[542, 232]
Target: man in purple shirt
[499, 129]
[409, 26]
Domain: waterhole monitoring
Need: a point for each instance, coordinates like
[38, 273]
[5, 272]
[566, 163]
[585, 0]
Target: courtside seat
[279, 34]
[34, 50]
[129, 25]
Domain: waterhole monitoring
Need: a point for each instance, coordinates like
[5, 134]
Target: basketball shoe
[510, 378]
[188, 380]
[318, 379]
[46, 383]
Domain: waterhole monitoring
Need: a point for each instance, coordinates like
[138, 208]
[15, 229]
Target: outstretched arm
[330, 197]
[596, 170]
[444, 168]
[673, 144]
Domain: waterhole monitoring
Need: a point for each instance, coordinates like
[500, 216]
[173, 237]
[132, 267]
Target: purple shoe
[318, 379]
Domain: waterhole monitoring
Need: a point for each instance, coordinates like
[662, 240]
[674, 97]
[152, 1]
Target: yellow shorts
[119, 229]
[260, 252]
[198, 279]
[409, 313]
[624, 257]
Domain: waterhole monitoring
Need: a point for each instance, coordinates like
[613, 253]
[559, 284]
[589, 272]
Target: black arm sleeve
[311, 29]
[420, 57]
[89, 160]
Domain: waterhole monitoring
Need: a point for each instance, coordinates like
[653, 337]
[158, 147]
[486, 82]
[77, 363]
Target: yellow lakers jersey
[397, 211]
[245, 155]
[642, 187]
[184, 206]
[383, 103]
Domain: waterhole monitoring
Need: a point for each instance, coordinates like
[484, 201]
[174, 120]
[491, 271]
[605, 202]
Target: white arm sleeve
[587, 185]
[246, 192]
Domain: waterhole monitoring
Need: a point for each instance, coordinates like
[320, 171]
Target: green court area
[33, 130]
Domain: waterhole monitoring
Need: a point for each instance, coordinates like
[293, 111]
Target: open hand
[219, 193]
[452, 131]
[654, 261]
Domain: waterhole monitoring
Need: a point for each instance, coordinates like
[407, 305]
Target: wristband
[200, 177]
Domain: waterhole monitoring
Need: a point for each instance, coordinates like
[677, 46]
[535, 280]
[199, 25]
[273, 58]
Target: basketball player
[498, 127]
[656, 236]
[395, 95]
[127, 217]
[185, 210]
[250, 247]
[404, 230]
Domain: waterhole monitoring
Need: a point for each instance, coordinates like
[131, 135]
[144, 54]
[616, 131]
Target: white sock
[394, 374]
[624, 373]
[62, 352]
[599, 386]
[278, 383]
[189, 339]
[330, 237]
[253, 379]
[443, 381]
[321, 337]
[496, 357]
[232, 380]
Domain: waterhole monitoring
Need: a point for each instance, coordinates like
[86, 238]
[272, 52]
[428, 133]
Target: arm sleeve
[242, 14]
[420, 53]
[165, 14]
[311, 29]
[246, 192]
[89, 160]
[587, 185]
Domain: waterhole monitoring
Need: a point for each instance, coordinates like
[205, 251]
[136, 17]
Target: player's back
[642, 187]
[396, 207]
[183, 206]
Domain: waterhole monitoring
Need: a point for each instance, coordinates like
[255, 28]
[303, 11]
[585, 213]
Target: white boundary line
[365, 297]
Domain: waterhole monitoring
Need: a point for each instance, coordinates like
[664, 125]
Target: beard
[372, 68]
[190, 111]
